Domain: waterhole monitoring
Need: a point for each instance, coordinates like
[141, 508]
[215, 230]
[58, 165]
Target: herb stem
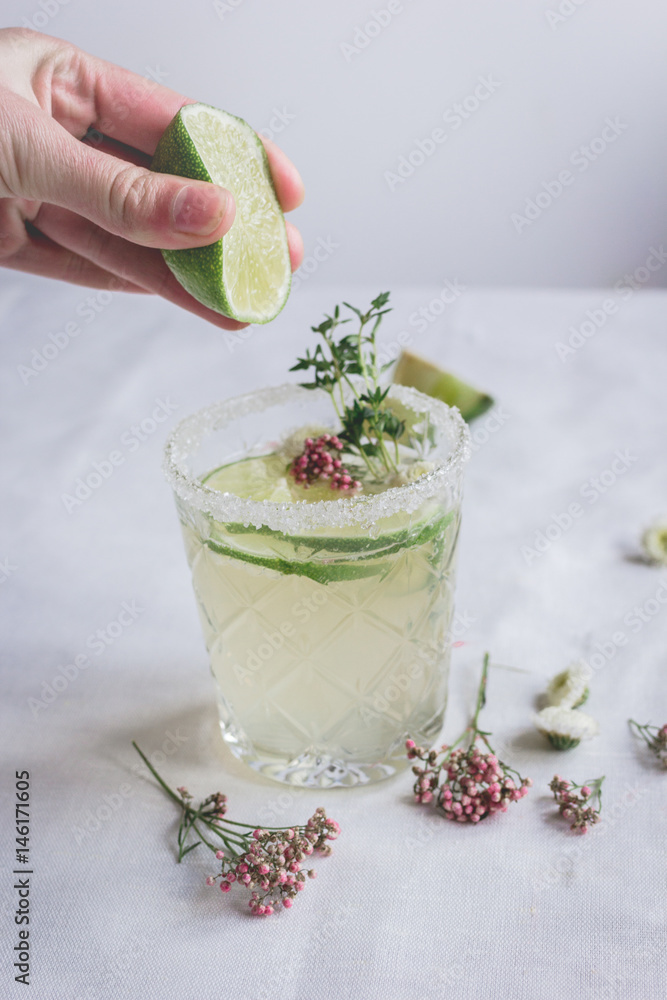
[367, 421]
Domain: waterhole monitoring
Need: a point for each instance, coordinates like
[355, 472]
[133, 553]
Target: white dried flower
[654, 542]
[411, 473]
[565, 727]
[569, 688]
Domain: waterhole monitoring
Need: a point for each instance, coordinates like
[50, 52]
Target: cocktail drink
[326, 617]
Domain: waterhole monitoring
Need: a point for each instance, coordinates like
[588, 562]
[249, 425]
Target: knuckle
[17, 38]
[133, 201]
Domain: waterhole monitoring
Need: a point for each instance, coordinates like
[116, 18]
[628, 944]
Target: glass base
[312, 770]
[316, 769]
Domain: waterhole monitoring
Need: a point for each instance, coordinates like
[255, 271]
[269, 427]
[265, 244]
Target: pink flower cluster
[271, 867]
[320, 460]
[468, 785]
[577, 807]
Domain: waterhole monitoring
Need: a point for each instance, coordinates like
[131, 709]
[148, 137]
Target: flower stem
[157, 777]
[643, 731]
[595, 784]
[481, 693]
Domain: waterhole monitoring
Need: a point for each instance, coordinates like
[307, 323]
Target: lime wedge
[424, 375]
[246, 275]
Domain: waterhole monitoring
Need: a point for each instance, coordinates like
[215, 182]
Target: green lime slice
[354, 539]
[263, 478]
[418, 372]
[246, 275]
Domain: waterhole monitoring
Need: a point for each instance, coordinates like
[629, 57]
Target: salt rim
[297, 517]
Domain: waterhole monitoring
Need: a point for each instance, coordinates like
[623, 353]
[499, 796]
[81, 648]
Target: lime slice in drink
[246, 275]
[263, 478]
[424, 375]
[327, 554]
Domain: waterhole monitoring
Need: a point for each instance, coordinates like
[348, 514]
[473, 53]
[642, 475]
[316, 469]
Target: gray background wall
[351, 87]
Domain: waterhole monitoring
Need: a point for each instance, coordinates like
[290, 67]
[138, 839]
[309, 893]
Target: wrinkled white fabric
[409, 905]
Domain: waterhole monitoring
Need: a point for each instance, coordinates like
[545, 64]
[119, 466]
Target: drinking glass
[326, 623]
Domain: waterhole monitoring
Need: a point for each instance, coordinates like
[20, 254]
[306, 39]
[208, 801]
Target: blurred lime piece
[263, 478]
[246, 275]
[427, 377]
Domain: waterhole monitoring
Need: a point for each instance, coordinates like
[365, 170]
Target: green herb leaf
[336, 364]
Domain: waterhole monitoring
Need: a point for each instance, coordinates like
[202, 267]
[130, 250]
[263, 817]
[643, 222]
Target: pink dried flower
[270, 866]
[266, 862]
[467, 784]
[261, 869]
[583, 809]
[320, 460]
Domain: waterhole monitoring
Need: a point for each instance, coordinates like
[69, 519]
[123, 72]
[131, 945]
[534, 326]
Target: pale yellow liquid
[320, 680]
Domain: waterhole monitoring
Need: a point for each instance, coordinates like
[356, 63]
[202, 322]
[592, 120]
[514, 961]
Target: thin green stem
[157, 777]
[375, 372]
[645, 731]
[184, 830]
[452, 746]
[360, 347]
[211, 846]
[481, 693]
[227, 835]
[595, 784]
[388, 461]
[332, 393]
[191, 817]
[250, 826]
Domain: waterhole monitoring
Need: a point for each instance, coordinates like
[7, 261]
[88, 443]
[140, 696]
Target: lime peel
[319, 572]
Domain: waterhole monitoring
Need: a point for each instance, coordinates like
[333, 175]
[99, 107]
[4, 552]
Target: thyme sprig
[348, 368]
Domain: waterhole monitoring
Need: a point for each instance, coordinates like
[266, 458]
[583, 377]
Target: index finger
[132, 109]
[136, 110]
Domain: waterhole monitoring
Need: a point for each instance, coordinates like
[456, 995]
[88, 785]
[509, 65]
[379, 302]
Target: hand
[92, 212]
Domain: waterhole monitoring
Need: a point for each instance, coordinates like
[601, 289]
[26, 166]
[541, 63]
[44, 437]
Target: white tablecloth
[409, 905]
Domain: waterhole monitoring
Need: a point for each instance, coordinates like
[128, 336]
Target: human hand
[92, 212]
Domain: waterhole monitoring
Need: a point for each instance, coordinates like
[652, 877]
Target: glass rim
[299, 516]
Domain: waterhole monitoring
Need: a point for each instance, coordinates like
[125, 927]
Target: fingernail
[198, 210]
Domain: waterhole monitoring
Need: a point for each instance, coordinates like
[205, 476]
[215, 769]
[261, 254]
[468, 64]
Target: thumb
[41, 161]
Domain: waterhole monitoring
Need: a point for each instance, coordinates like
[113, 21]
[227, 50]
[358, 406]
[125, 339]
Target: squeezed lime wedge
[247, 274]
